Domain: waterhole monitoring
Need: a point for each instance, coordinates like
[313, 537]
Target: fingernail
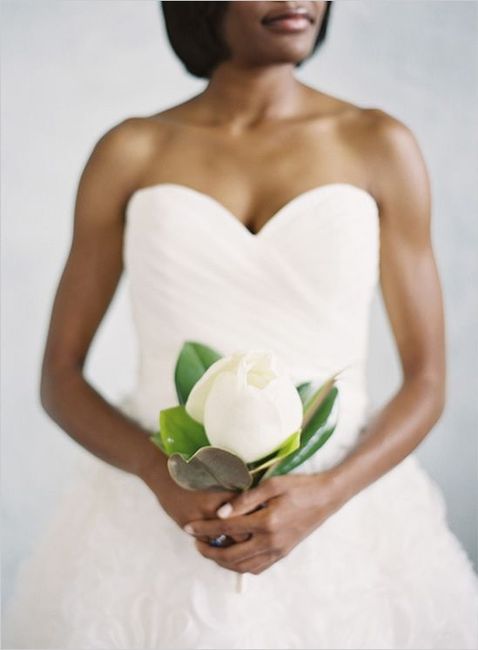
[224, 511]
[189, 529]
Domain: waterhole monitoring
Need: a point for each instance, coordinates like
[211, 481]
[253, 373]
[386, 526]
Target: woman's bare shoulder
[393, 152]
[133, 136]
[127, 148]
[385, 145]
[385, 131]
[361, 125]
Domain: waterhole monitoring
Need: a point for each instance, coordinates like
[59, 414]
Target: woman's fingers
[258, 563]
[230, 555]
[255, 522]
[249, 500]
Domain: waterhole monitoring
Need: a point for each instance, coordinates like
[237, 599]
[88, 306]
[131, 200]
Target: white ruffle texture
[113, 570]
[385, 571]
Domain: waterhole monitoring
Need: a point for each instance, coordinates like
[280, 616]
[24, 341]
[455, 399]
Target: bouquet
[240, 419]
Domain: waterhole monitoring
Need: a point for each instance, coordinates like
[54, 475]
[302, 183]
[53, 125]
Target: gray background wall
[70, 70]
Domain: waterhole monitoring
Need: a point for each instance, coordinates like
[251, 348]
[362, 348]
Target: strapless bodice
[302, 286]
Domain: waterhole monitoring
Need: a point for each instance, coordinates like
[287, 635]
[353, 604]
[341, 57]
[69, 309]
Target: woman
[260, 212]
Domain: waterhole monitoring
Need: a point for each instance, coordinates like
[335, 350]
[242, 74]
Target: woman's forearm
[393, 433]
[97, 425]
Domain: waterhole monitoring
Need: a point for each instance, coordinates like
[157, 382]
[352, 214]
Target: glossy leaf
[156, 438]
[193, 360]
[179, 433]
[313, 404]
[305, 391]
[321, 426]
[291, 444]
[210, 468]
[260, 467]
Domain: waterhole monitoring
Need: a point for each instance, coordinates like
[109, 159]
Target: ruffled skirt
[113, 570]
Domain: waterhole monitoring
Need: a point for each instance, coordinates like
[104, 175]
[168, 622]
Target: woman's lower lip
[289, 24]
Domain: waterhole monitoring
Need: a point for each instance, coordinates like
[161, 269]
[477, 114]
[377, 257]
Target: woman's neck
[241, 97]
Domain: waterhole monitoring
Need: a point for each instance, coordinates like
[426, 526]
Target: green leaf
[210, 468]
[291, 444]
[193, 360]
[315, 434]
[156, 438]
[258, 468]
[179, 433]
[312, 406]
[305, 391]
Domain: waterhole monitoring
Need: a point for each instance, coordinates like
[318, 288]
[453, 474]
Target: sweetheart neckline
[269, 224]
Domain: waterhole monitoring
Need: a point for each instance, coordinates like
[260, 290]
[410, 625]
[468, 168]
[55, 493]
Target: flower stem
[239, 583]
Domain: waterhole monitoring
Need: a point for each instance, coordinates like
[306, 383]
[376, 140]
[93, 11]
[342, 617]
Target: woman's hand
[293, 506]
[180, 504]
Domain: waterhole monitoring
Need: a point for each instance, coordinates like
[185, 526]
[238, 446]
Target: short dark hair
[194, 31]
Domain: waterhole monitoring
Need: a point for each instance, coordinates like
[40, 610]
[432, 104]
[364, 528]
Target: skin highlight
[255, 138]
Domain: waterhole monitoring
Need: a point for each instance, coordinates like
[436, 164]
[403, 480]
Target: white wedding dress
[114, 570]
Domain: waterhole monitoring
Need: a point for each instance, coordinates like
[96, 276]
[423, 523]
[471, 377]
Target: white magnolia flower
[247, 404]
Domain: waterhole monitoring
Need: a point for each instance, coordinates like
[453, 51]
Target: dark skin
[254, 139]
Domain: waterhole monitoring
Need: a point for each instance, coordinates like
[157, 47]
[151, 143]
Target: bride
[260, 212]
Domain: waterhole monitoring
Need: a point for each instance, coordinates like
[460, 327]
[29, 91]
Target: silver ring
[217, 541]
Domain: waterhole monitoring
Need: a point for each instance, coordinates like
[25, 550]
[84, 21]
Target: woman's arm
[299, 503]
[413, 300]
[86, 288]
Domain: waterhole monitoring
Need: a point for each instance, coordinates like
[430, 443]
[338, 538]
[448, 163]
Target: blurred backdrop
[72, 69]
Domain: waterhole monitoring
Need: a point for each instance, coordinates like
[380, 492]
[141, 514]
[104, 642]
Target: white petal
[241, 419]
[285, 396]
[197, 397]
[260, 367]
